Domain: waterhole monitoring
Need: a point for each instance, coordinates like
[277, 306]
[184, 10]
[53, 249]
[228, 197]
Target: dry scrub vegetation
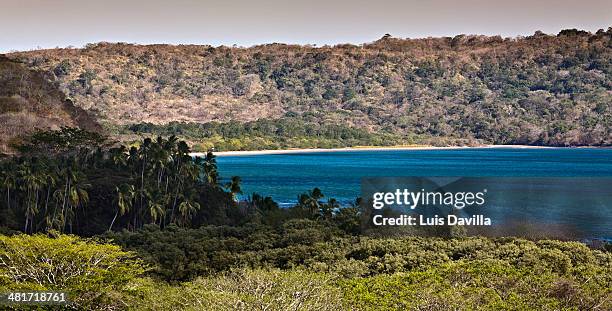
[28, 101]
[542, 89]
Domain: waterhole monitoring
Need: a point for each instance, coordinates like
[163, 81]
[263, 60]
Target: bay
[338, 173]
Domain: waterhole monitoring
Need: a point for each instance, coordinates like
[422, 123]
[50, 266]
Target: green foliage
[319, 246]
[63, 68]
[245, 289]
[287, 132]
[92, 273]
[86, 78]
[82, 188]
[371, 273]
[183, 254]
[480, 285]
[233, 186]
[460, 285]
[61, 141]
[72, 184]
[264, 204]
[306, 265]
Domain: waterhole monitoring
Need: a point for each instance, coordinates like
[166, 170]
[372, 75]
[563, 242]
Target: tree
[234, 187]
[187, 209]
[64, 140]
[263, 203]
[124, 200]
[310, 201]
[210, 168]
[90, 272]
[157, 182]
[328, 209]
[9, 181]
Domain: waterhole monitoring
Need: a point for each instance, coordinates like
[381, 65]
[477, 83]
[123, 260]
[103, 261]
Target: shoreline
[372, 148]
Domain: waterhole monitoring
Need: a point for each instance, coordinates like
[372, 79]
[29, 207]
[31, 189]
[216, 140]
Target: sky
[32, 24]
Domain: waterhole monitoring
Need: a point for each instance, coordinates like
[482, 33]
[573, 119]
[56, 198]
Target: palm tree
[160, 157]
[125, 197]
[156, 205]
[186, 209]
[78, 197]
[51, 176]
[234, 187]
[185, 173]
[118, 156]
[312, 199]
[210, 169]
[9, 181]
[262, 204]
[171, 144]
[145, 182]
[327, 209]
[74, 193]
[32, 175]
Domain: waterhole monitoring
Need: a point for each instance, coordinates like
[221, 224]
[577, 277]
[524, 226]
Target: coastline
[372, 148]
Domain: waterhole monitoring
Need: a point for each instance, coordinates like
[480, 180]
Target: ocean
[338, 174]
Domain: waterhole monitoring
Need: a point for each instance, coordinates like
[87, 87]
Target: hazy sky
[28, 24]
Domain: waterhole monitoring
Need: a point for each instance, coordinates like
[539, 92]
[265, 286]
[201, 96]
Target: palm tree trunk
[174, 203]
[63, 213]
[113, 222]
[8, 197]
[47, 199]
[28, 210]
[141, 189]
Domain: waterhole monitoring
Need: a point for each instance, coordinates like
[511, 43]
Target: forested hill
[29, 102]
[542, 89]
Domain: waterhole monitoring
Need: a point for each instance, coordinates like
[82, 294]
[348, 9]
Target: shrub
[93, 274]
[244, 290]
[476, 285]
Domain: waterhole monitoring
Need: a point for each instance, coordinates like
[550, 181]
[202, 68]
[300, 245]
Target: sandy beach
[365, 148]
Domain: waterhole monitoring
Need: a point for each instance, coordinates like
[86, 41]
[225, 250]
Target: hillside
[29, 101]
[542, 90]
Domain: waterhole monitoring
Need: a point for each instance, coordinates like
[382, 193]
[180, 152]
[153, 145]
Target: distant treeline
[268, 134]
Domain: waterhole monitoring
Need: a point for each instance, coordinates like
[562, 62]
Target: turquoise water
[338, 174]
